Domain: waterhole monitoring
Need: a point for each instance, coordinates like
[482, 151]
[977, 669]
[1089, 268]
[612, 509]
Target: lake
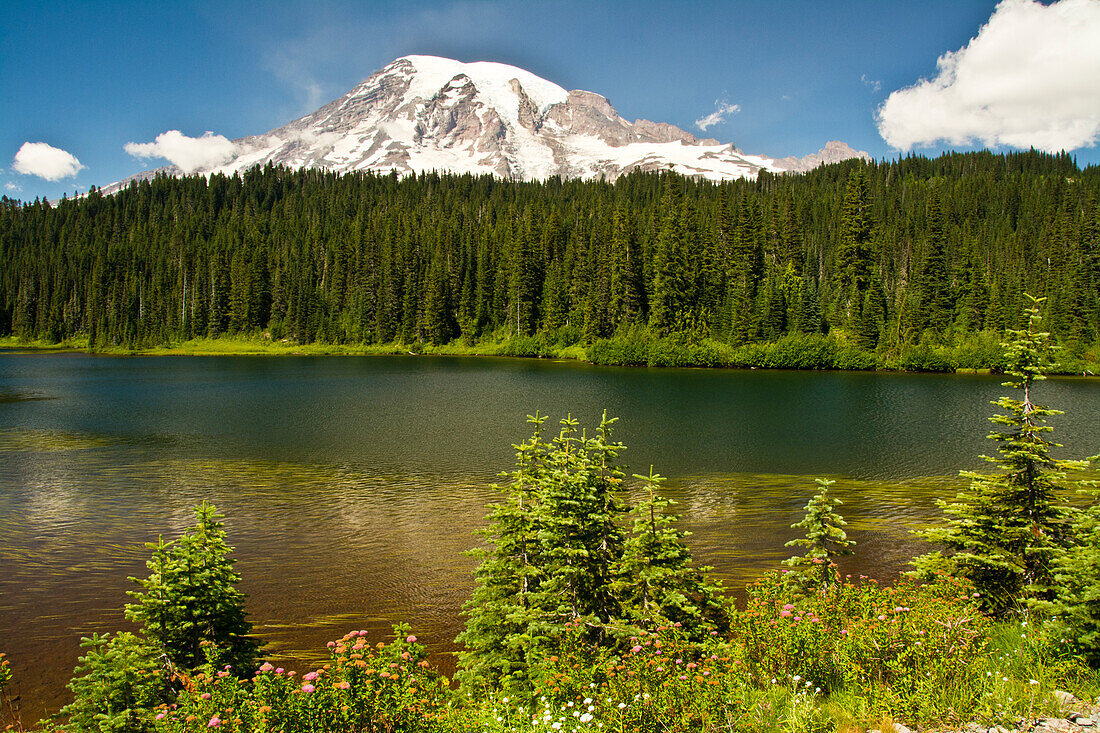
[353, 485]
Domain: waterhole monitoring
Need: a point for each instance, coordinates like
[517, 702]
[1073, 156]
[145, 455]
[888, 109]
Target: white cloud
[721, 111]
[189, 154]
[875, 84]
[46, 161]
[1030, 78]
[13, 186]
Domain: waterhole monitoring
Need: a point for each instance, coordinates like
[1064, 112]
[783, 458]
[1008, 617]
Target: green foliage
[824, 540]
[1005, 530]
[656, 581]
[900, 646]
[116, 686]
[191, 596]
[557, 563]
[1076, 602]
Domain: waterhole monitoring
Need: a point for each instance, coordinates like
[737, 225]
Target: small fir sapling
[191, 596]
[824, 539]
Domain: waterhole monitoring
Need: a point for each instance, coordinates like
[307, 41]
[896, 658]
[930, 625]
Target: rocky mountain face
[424, 113]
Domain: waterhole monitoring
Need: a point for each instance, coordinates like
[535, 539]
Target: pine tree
[190, 597]
[657, 582]
[934, 279]
[500, 613]
[666, 301]
[1076, 604]
[824, 540]
[1005, 530]
[578, 531]
[116, 686]
[857, 229]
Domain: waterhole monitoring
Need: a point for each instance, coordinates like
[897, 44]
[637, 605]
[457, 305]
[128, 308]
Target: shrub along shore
[636, 346]
[590, 615]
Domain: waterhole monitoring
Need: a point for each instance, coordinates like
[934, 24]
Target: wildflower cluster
[904, 640]
[362, 687]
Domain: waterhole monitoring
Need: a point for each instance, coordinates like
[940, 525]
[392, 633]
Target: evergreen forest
[885, 259]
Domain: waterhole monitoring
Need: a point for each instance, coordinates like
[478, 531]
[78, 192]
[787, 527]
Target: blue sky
[88, 77]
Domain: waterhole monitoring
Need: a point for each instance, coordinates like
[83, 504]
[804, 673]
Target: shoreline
[204, 347]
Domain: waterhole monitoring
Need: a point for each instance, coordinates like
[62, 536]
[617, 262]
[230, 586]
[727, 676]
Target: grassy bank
[976, 353]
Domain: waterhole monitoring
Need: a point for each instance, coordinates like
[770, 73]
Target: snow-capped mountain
[425, 113]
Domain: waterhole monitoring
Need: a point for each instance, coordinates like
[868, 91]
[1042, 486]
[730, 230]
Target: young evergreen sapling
[824, 540]
[191, 596]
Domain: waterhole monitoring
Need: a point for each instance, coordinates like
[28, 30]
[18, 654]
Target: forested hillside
[880, 254]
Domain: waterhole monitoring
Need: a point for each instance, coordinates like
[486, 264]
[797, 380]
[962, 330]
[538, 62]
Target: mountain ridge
[426, 113]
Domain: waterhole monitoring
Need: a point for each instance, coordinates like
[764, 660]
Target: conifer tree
[190, 597]
[1076, 604]
[578, 531]
[656, 579]
[824, 540]
[857, 229]
[1005, 530]
[666, 302]
[934, 280]
[497, 641]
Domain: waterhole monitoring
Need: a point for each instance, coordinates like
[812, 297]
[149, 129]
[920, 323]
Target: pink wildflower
[311, 676]
[214, 722]
[411, 639]
[331, 644]
[280, 670]
[785, 613]
[636, 648]
[308, 688]
[266, 667]
[205, 696]
[789, 606]
[160, 716]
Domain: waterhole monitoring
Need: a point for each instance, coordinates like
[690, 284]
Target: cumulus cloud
[189, 154]
[722, 110]
[46, 161]
[1030, 78]
[13, 186]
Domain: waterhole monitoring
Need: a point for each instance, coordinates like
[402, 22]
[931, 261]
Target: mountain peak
[428, 113]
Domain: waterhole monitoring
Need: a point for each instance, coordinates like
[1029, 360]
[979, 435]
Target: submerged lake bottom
[352, 486]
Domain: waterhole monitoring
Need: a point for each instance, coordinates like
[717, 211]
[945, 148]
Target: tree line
[894, 252]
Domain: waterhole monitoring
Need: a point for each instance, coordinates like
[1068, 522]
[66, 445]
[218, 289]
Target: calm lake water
[352, 485]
